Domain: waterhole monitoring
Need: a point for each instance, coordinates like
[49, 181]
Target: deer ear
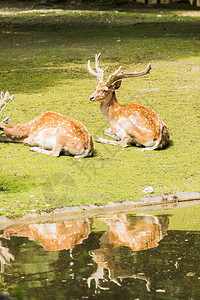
[117, 84]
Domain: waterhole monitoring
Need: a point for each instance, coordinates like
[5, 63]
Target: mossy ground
[43, 62]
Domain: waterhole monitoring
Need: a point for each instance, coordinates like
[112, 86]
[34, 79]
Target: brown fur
[51, 131]
[140, 124]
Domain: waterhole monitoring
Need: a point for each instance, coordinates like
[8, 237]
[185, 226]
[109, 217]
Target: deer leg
[109, 133]
[153, 147]
[106, 141]
[44, 151]
[123, 143]
[57, 148]
[40, 150]
[81, 155]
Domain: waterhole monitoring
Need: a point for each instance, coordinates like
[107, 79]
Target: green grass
[43, 62]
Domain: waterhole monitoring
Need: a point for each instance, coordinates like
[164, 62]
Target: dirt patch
[190, 14]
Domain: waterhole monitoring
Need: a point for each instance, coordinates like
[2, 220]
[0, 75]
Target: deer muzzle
[92, 97]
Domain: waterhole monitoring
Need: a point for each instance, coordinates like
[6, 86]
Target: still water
[139, 255]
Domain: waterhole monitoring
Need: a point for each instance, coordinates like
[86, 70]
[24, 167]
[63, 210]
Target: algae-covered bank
[43, 62]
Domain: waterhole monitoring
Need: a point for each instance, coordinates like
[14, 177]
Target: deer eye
[105, 91]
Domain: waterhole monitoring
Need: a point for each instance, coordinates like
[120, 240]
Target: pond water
[137, 255]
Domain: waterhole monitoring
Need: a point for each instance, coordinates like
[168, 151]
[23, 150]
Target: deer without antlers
[129, 124]
[50, 133]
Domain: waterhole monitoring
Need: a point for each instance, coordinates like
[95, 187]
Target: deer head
[104, 90]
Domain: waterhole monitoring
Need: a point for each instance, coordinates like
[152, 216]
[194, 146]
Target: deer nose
[92, 98]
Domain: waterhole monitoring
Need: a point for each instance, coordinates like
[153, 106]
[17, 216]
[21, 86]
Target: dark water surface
[148, 255]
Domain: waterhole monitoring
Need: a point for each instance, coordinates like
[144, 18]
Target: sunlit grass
[44, 63]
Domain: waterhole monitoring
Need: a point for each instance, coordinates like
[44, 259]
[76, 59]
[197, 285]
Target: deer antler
[117, 75]
[100, 71]
[5, 100]
[99, 274]
[142, 277]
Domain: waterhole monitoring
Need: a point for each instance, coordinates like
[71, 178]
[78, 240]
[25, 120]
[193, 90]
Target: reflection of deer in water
[55, 236]
[136, 232]
[5, 257]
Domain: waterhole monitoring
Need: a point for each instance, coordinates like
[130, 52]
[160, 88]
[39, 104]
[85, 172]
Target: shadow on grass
[170, 144]
[39, 52]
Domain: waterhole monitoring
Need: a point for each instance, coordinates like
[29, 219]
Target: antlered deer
[129, 124]
[50, 133]
[138, 233]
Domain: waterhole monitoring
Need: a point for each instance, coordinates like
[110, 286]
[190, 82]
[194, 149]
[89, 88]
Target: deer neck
[110, 108]
[16, 131]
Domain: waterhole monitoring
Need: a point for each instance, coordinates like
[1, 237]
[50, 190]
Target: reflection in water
[55, 236]
[5, 257]
[136, 257]
[136, 232]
